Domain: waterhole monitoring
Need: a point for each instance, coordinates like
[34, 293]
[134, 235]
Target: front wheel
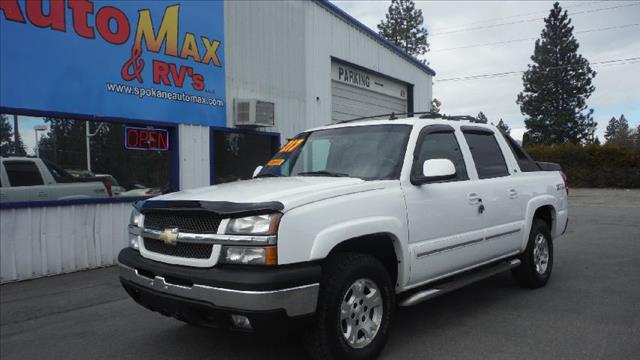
[537, 259]
[355, 309]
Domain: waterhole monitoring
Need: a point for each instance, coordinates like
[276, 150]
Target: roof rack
[423, 115]
[392, 116]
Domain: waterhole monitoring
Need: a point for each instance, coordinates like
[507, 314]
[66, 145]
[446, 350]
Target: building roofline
[388, 44]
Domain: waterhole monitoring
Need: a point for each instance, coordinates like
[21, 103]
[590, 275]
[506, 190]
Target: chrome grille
[180, 249]
[197, 222]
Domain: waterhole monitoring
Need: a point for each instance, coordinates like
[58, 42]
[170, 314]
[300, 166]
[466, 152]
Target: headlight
[136, 218]
[254, 225]
[267, 255]
[135, 228]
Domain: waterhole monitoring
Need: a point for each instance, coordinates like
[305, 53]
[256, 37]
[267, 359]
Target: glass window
[440, 145]
[84, 159]
[486, 154]
[525, 162]
[237, 154]
[370, 152]
[22, 173]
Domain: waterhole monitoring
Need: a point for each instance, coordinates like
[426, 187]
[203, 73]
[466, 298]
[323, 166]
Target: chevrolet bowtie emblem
[169, 236]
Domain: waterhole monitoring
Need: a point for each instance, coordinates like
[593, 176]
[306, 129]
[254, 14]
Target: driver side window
[440, 145]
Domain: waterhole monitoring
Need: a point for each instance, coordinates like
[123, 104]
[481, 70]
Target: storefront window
[236, 154]
[46, 158]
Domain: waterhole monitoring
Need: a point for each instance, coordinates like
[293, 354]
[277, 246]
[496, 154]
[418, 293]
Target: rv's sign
[144, 60]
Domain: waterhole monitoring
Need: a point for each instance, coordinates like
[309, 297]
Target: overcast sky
[450, 22]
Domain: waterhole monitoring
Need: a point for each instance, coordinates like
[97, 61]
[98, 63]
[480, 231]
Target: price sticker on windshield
[275, 162]
[291, 145]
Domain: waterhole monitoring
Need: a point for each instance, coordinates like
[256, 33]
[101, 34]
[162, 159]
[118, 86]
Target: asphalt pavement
[590, 309]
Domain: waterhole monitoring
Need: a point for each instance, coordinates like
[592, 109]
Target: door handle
[42, 194]
[474, 199]
[513, 193]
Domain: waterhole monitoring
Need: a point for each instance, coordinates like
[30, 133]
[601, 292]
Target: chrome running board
[433, 291]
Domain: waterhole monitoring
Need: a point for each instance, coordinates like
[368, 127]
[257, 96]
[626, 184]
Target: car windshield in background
[372, 152]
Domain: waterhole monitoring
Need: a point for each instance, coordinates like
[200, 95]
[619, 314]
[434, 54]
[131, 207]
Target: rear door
[495, 194]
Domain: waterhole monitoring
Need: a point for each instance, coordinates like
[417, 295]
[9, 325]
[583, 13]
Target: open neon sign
[136, 138]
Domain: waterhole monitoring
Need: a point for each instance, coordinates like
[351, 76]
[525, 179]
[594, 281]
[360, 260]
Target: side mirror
[435, 170]
[257, 171]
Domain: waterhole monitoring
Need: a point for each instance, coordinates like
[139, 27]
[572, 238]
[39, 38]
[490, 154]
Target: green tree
[435, 105]
[557, 86]
[502, 126]
[8, 143]
[403, 27]
[618, 132]
[482, 117]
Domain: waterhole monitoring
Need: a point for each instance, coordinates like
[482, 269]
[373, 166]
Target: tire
[346, 278]
[534, 272]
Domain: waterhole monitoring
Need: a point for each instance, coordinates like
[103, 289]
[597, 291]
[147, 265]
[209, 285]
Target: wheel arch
[543, 208]
[379, 237]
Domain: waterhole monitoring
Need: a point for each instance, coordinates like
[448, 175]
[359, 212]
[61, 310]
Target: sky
[456, 24]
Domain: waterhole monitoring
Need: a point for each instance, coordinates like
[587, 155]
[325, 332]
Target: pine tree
[482, 117]
[435, 105]
[403, 27]
[618, 132]
[8, 143]
[557, 86]
[502, 126]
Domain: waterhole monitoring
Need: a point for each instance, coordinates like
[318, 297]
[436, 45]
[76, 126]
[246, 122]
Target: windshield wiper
[267, 175]
[322, 173]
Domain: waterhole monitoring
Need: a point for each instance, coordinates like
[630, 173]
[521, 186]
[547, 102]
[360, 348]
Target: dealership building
[166, 96]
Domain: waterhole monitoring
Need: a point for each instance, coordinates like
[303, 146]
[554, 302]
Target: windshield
[372, 152]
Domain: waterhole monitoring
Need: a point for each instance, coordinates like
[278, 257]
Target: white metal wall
[53, 240]
[194, 156]
[281, 51]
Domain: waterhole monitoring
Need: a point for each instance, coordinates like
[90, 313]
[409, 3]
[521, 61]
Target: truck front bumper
[179, 290]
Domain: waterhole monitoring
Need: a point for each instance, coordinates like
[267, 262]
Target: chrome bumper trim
[296, 301]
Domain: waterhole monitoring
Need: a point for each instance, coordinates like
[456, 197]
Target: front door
[445, 226]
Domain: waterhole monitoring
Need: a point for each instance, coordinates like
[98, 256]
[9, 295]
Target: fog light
[134, 241]
[241, 322]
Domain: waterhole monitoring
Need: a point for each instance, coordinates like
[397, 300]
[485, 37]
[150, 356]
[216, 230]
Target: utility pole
[88, 136]
[15, 129]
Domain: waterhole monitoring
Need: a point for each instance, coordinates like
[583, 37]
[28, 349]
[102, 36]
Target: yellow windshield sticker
[291, 145]
[275, 162]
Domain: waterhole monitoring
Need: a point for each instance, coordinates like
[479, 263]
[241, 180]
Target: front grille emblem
[169, 236]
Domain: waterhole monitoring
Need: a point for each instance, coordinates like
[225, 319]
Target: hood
[290, 191]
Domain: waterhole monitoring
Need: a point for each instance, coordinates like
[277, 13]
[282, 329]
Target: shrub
[593, 165]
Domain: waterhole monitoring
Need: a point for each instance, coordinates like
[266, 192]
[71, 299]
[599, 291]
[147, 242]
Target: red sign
[146, 139]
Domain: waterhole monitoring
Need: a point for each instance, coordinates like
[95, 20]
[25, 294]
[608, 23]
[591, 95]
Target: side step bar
[446, 287]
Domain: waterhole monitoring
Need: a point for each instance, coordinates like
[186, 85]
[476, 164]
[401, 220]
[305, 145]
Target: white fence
[45, 241]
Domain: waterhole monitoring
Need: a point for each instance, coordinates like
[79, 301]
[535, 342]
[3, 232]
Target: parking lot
[589, 310]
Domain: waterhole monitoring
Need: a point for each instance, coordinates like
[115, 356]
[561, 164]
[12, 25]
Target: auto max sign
[151, 60]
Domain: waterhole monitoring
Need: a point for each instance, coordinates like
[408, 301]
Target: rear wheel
[354, 311]
[537, 259]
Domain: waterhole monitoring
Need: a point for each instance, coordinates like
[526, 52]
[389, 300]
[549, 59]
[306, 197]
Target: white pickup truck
[343, 224]
[26, 179]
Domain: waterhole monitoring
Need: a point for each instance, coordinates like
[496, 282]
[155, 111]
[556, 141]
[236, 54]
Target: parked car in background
[345, 222]
[36, 179]
[116, 189]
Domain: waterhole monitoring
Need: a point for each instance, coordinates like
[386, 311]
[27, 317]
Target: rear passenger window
[23, 173]
[440, 145]
[486, 154]
[525, 161]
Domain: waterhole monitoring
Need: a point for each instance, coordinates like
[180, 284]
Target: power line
[513, 16]
[604, 63]
[531, 38]
[529, 20]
